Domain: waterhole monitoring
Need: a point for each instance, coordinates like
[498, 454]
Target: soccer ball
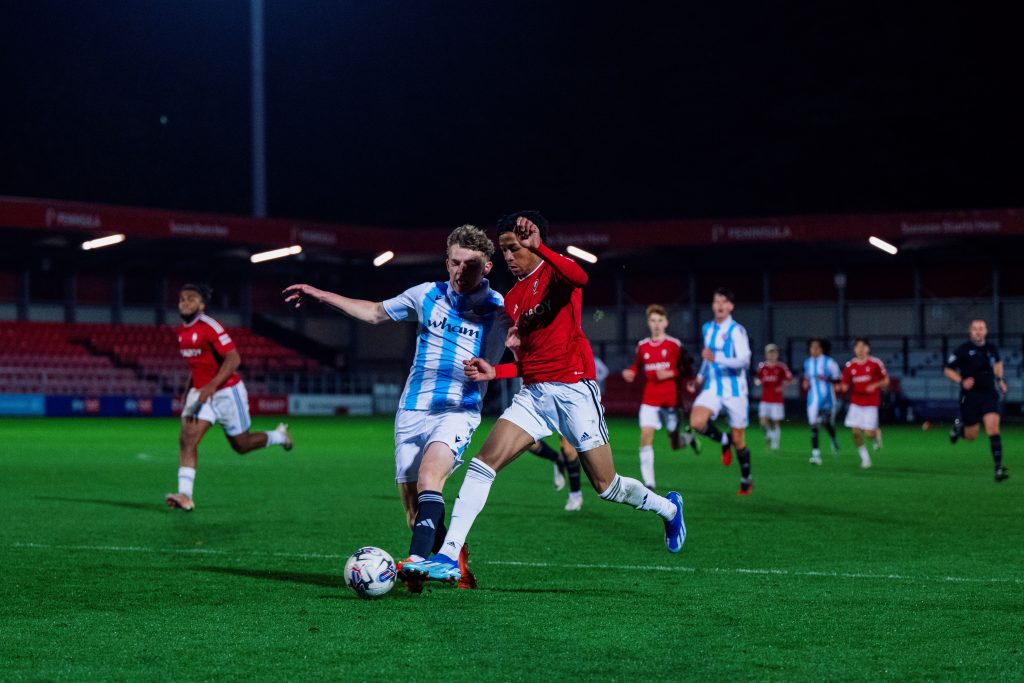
[370, 572]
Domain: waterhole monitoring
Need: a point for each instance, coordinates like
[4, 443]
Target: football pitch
[913, 570]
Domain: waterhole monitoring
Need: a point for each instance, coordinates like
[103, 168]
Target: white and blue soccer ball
[370, 572]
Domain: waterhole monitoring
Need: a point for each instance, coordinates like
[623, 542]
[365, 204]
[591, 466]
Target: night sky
[433, 113]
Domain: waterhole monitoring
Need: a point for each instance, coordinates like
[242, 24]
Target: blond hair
[471, 237]
[656, 309]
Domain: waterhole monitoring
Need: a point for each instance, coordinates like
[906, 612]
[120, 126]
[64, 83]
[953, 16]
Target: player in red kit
[864, 377]
[559, 391]
[216, 393]
[772, 376]
[659, 358]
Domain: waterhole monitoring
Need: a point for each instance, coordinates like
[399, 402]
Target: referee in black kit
[977, 368]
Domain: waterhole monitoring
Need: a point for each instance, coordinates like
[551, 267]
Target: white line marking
[532, 565]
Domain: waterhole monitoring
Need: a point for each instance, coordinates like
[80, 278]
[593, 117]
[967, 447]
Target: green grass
[909, 571]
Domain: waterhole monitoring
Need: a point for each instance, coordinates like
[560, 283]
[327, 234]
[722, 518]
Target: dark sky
[429, 113]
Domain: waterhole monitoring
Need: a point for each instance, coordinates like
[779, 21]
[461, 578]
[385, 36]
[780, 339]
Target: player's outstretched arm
[952, 375]
[368, 311]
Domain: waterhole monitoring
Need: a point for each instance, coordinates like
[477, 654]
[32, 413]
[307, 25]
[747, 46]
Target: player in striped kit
[659, 357]
[821, 373]
[559, 393]
[723, 374]
[439, 409]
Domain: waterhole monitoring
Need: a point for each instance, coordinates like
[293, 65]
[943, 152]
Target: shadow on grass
[131, 505]
[327, 580]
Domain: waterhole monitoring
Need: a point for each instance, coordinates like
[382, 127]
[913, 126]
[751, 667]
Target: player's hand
[297, 294]
[1002, 386]
[629, 374]
[205, 393]
[805, 384]
[512, 339]
[478, 370]
[968, 383]
[664, 374]
[691, 386]
[527, 233]
[708, 355]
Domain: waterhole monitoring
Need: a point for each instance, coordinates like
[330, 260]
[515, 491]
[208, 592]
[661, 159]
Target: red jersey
[203, 344]
[771, 378]
[546, 306]
[652, 356]
[859, 375]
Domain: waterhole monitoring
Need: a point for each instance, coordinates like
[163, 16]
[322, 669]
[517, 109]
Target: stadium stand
[139, 360]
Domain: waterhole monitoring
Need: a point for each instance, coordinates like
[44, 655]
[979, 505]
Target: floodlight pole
[258, 105]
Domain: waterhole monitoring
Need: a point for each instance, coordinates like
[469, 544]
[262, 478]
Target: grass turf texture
[912, 570]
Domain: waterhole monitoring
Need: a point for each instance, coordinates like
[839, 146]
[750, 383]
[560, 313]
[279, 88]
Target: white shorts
[862, 417]
[228, 407]
[817, 414]
[656, 418]
[417, 429]
[737, 407]
[572, 410]
[772, 411]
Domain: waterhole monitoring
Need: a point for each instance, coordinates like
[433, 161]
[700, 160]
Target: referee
[977, 368]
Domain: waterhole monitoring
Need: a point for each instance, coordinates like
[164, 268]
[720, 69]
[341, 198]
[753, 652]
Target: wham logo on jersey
[453, 328]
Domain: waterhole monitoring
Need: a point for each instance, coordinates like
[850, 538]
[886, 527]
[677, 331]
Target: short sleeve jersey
[652, 356]
[772, 376]
[858, 376]
[971, 360]
[453, 327]
[203, 344]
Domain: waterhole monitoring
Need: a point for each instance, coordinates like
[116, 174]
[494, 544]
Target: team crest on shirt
[536, 283]
[664, 352]
[647, 356]
[195, 337]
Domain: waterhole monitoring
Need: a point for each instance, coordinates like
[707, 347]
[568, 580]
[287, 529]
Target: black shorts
[974, 406]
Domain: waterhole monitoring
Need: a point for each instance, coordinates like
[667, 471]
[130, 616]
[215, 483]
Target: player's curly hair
[204, 290]
[507, 223]
[656, 309]
[471, 237]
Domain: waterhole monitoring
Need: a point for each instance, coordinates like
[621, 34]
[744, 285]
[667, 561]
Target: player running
[216, 393]
[439, 409]
[978, 369]
[821, 373]
[559, 391]
[659, 357]
[723, 374]
[772, 376]
[864, 378]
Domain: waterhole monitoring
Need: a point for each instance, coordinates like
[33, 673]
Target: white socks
[631, 492]
[647, 465]
[865, 459]
[469, 504]
[275, 437]
[186, 480]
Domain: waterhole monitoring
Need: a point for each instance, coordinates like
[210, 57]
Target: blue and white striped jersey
[820, 372]
[727, 375]
[452, 328]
